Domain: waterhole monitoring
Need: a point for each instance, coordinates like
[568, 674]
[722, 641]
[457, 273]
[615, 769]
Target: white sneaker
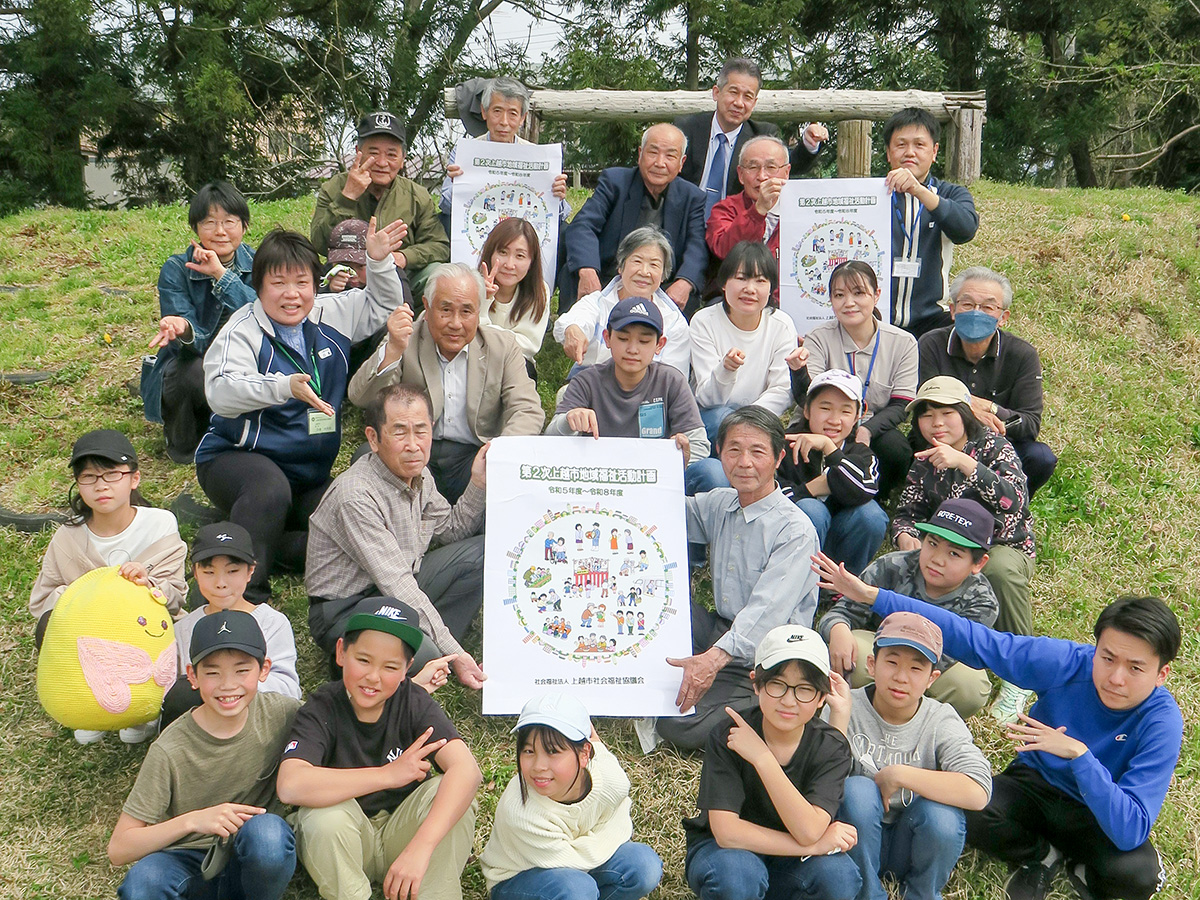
[83, 736]
[1009, 703]
[646, 733]
[138, 734]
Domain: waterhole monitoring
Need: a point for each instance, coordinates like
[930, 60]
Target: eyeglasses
[754, 168]
[112, 476]
[992, 309]
[804, 692]
[230, 224]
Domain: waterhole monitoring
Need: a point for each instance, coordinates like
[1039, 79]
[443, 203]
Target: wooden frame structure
[851, 112]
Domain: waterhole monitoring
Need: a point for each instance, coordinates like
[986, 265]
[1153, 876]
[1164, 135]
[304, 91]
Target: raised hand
[358, 176]
[489, 283]
[744, 740]
[170, 328]
[734, 359]
[206, 262]
[798, 358]
[835, 577]
[414, 763]
[434, 673]
[400, 329]
[385, 240]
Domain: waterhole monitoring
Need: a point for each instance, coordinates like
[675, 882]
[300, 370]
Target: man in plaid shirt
[371, 534]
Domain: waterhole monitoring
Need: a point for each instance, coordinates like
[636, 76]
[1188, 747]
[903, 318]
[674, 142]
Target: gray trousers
[450, 576]
[732, 687]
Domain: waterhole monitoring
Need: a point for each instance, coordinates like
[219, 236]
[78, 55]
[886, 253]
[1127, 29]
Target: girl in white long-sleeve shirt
[562, 829]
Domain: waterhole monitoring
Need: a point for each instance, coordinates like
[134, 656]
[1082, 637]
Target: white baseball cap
[561, 712]
[787, 642]
[848, 384]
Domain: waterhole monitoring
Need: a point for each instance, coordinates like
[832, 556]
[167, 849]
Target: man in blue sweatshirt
[1095, 754]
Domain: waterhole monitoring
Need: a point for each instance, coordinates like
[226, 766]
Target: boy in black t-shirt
[771, 784]
[358, 765]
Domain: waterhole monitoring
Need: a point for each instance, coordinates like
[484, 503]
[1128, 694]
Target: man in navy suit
[717, 139]
[625, 199]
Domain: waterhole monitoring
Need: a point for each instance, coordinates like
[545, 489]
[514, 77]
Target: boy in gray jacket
[915, 767]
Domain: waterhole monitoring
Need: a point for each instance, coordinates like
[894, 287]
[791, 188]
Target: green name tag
[319, 423]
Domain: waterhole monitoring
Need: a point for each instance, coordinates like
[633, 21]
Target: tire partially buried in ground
[187, 509]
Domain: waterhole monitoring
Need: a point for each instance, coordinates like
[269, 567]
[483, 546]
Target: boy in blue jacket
[1095, 754]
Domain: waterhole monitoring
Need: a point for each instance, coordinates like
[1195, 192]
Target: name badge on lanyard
[909, 268]
[906, 268]
[320, 423]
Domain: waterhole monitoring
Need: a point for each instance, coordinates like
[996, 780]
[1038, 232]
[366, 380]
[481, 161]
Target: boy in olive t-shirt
[203, 811]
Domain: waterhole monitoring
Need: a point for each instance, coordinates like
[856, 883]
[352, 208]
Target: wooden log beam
[657, 106]
[854, 148]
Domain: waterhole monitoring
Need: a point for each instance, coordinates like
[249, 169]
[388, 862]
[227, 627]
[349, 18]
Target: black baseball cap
[223, 539]
[382, 122]
[966, 523]
[230, 629]
[635, 311]
[392, 617]
[106, 444]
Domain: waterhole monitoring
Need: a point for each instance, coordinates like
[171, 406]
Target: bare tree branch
[1158, 151]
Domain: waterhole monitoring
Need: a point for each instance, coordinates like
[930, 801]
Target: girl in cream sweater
[562, 829]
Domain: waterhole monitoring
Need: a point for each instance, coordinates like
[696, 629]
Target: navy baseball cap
[635, 311]
[966, 523]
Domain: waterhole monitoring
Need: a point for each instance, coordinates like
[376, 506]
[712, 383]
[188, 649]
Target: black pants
[450, 463]
[181, 698]
[1027, 815]
[252, 491]
[895, 456]
[731, 687]
[1038, 461]
[185, 411]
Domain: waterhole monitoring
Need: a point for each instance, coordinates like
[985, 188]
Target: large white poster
[586, 588]
[500, 181]
[823, 222]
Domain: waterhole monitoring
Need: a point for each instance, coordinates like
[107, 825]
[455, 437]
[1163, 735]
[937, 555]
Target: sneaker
[1078, 879]
[138, 734]
[84, 736]
[1029, 882]
[1009, 702]
[646, 733]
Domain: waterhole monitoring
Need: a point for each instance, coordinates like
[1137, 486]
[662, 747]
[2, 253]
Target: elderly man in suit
[717, 140]
[474, 374]
[625, 199]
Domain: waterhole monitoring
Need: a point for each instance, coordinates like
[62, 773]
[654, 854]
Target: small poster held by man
[502, 181]
[586, 588]
[822, 224]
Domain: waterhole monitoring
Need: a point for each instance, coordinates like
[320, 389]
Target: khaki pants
[1009, 571]
[964, 688]
[344, 851]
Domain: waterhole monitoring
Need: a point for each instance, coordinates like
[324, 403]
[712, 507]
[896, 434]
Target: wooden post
[854, 148]
[532, 127]
[965, 155]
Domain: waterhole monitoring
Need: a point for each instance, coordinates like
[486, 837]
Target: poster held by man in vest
[502, 181]
[587, 587]
[822, 224]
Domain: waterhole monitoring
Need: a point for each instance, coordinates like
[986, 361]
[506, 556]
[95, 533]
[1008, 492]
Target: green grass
[1112, 306]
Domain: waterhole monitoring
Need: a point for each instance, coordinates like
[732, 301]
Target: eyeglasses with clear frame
[803, 692]
[112, 476]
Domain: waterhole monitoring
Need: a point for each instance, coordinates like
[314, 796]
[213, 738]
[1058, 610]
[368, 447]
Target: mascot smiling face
[108, 655]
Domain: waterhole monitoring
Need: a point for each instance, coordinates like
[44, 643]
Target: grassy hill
[1106, 287]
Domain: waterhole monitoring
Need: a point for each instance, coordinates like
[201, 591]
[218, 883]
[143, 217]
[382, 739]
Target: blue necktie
[714, 188]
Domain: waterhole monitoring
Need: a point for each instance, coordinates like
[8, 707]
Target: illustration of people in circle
[826, 246]
[494, 203]
[604, 600]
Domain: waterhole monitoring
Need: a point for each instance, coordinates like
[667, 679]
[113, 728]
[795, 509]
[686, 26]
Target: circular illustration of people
[825, 247]
[590, 584]
[497, 202]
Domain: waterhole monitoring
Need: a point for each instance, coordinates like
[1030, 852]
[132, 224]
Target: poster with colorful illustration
[500, 181]
[586, 588]
[823, 222]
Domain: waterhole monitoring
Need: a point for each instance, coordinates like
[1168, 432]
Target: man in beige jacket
[474, 374]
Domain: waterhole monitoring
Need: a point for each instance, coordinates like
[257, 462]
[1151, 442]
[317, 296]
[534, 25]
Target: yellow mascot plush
[108, 655]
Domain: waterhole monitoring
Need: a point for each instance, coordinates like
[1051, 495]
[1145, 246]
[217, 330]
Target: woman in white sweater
[517, 298]
[739, 349]
[562, 828]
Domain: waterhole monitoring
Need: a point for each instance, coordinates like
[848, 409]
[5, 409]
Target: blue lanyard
[870, 367]
[916, 222]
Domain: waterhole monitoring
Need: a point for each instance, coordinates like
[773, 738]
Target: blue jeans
[704, 475]
[630, 874]
[919, 849]
[851, 535]
[715, 873]
[711, 418]
[263, 859]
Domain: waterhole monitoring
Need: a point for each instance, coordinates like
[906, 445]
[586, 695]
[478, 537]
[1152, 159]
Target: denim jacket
[204, 303]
